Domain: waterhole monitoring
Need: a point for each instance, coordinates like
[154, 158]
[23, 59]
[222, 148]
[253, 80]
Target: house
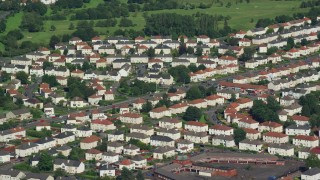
[70, 166]
[196, 126]
[137, 104]
[93, 154]
[139, 161]
[102, 125]
[64, 150]
[48, 110]
[107, 170]
[171, 133]
[115, 136]
[12, 174]
[248, 123]
[12, 134]
[250, 145]
[33, 103]
[214, 100]
[95, 99]
[138, 136]
[311, 174]
[300, 120]
[170, 123]
[157, 140]
[26, 149]
[142, 129]
[252, 134]
[281, 149]
[220, 129]
[270, 126]
[295, 129]
[77, 102]
[64, 138]
[224, 140]
[43, 125]
[196, 137]
[178, 108]
[90, 142]
[19, 114]
[185, 146]
[4, 157]
[159, 112]
[115, 147]
[275, 137]
[126, 163]
[131, 118]
[131, 150]
[46, 143]
[163, 152]
[110, 157]
[38, 176]
[306, 141]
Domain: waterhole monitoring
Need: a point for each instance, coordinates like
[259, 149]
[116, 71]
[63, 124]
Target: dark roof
[164, 149]
[64, 135]
[160, 138]
[312, 172]
[106, 167]
[11, 172]
[27, 145]
[39, 176]
[138, 158]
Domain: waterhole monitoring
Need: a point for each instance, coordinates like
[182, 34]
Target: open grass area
[243, 16]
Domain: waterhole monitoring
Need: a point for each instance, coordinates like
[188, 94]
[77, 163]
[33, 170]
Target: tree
[126, 174]
[199, 51]
[273, 104]
[37, 7]
[139, 175]
[147, 107]
[60, 173]
[201, 67]
[76, 154]
[50, 79]
[193, 68]
[52, 28]
[239, 135]
[172, 89]
[180, 74]
[192, 113]
[211, 90]
[31, 22]
[4, 76]
[45, 162]
[22, 76]
[312, 161]
[3, 26]
[290, 43]
[71, 26]
[248, 53]
[194, 93]
[233, 97]
[53, 41]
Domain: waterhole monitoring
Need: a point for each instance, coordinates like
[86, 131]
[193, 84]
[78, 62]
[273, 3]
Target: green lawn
[241, 15]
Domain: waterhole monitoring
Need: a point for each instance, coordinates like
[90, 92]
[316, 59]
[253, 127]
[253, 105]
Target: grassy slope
[241, 15]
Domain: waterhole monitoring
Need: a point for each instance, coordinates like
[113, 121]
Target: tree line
[189, 25]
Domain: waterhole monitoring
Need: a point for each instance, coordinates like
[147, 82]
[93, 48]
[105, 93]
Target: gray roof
[106, 167]
[63, 148]
[281, 146]
[312, 171]
[115, 144]
[223, 137]
[137, 135]
[143, 127]
[295, 126]
[255, 142]
[164, 149]
[131, 146]
[161, 138]
[11, 172]
[27, 146]
[138, 158]
[64, 135]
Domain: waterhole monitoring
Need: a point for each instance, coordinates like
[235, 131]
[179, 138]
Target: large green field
[243, 16]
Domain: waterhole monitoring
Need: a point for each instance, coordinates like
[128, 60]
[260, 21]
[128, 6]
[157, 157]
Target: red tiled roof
[275, 134]
[251, 131]
[221, 127]
[17, 129]
[102, 122]
[299, 118]
[139, 101]
[307, 138]
[179, 105]
[213, 97]
[270, 124]
[243, 86]
[94, 151]
[131, 115]
[243, 100]
[196, 123]
[126, 162]
[197, 101]
[159, 109]
[315, 150]
[90, 139]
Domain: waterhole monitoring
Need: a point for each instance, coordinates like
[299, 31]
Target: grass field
[243, 16]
